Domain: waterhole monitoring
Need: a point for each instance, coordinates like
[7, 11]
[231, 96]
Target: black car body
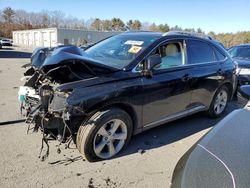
[241, 55]
[67, 87]
[221, 158]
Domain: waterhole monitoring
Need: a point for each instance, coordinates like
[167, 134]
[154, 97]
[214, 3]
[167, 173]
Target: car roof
[171, 34]
[143, 33]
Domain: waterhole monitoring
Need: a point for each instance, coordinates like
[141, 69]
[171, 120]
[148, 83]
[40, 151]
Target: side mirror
[150, 63]
[244, 92]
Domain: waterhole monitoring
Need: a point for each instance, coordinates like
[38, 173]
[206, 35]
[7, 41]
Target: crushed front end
[44, 105]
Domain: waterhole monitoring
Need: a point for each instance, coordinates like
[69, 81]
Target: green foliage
[230, 39]
[163, 28]
[134, 25]
[117, 24]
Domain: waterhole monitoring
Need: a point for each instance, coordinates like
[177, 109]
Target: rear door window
[199, 52]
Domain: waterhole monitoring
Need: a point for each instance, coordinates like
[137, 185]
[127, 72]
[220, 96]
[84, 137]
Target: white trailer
[50, 37]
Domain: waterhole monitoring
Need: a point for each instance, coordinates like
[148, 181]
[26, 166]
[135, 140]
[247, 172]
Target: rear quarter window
[219, 56]
[199, 52]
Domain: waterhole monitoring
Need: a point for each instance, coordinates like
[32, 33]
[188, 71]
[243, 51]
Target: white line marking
[232, 176]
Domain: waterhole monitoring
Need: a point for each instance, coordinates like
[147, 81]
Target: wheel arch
[121, 105]
[228, 85]
[230, 89]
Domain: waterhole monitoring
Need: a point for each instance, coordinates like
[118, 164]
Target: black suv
[100, 96]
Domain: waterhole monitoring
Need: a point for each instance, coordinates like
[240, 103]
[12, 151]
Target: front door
[167, 92]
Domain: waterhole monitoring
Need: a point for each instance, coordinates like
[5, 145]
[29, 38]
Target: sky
[209, 15]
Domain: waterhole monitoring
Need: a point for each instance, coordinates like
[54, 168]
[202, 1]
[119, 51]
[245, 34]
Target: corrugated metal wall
[77, 37]
[36, 37]
[50, 37]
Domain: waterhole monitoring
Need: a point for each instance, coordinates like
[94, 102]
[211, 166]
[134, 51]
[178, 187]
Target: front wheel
[219, 102]
[104, 135]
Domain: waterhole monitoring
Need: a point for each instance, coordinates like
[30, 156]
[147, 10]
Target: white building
[49, 37]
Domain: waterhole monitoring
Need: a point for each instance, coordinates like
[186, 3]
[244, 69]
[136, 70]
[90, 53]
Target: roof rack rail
[200, 35]
[132, 31]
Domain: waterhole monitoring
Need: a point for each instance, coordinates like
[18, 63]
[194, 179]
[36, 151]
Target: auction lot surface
[21, 167]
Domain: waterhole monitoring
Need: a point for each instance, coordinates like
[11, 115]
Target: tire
[217, 109]
[104, 135]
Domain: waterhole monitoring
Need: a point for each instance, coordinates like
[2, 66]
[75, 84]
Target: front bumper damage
[48, 110]
[50, 81]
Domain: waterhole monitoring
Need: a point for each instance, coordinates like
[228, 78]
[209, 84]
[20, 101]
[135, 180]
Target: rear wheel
[219, 102]
[104, 135]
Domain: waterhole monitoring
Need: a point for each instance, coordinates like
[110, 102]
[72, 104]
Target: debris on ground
[90, 184]
[110, 183]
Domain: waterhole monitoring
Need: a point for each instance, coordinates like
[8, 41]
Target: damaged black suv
[100, 96]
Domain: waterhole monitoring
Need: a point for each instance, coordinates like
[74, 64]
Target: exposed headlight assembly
[242, 71]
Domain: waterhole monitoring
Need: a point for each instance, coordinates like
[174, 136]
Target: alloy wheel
[220, 102]
[110, 138]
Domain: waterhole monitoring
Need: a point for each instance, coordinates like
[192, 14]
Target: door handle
[186, 77]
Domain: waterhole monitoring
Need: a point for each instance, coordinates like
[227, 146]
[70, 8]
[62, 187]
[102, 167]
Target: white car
[6, 42]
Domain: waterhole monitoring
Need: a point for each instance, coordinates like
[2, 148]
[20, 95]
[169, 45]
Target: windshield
[120, 50]
[240, 52]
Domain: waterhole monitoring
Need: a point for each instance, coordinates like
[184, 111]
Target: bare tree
[153, 27]
[56, 18]
[96, 25]
[8, 14]
[106, 25]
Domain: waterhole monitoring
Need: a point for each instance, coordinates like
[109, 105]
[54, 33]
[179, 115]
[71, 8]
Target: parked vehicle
[6, 42]
[222, 157]
[122, 86]
[241, 55]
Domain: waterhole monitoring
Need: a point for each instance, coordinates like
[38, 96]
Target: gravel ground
[159, 148]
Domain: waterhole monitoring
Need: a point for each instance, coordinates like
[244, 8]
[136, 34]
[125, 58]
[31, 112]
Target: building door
[66, 41]
[52, 37]
[36, 37]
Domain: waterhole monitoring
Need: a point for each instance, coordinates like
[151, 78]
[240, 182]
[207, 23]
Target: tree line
[11, 20]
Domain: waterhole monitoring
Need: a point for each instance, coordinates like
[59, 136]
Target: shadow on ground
[172, 132]
[9, 53]
[164, 134]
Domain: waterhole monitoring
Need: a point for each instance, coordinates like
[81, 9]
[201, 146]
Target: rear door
[167, 92]
[207, 72]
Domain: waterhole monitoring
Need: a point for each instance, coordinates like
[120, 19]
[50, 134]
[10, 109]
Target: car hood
[44, 57]
[242, 62]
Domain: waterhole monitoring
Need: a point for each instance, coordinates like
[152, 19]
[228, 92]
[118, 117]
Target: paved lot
[20, 166]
